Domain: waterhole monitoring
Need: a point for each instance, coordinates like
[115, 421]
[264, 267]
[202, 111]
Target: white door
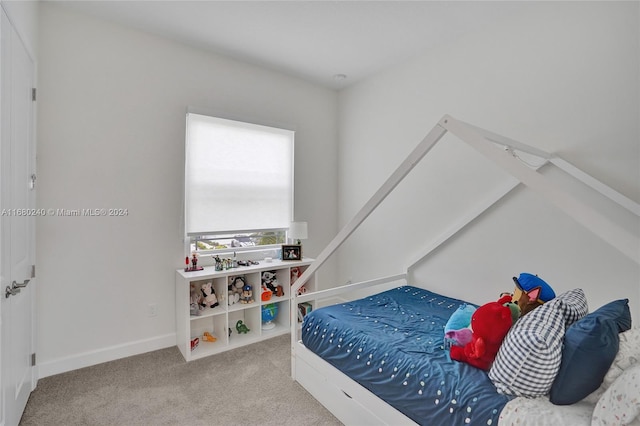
[17, 225]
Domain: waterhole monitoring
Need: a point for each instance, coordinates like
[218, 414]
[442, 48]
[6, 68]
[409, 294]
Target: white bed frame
[347, 400]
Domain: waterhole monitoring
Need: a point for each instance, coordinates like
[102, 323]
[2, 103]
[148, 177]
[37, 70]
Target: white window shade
[238, 176]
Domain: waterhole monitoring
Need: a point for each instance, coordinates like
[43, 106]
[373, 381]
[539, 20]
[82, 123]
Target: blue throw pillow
[590, 346]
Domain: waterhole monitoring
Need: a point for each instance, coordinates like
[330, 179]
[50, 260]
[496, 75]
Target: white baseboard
[86, 359]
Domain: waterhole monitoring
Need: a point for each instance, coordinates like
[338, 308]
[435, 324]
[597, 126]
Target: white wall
[111, 107]
[563, 78]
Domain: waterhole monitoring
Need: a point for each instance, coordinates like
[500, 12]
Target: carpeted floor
[246, 386]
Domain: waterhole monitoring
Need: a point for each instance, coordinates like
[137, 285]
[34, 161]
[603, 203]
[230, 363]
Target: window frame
[191, 238]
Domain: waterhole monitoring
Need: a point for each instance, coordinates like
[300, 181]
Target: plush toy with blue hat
[531, 291]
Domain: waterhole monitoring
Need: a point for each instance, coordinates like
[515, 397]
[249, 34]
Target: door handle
[21, 285]
[10, 292]
[15, 288]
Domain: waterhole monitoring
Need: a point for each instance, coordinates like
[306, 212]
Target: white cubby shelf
[221, 320]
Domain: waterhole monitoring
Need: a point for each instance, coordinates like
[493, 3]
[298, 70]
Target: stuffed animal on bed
[457, 331]
[513, 306]
[531, 291]
[489, 324]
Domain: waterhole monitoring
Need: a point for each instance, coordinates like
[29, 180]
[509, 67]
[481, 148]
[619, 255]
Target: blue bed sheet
[392, 343]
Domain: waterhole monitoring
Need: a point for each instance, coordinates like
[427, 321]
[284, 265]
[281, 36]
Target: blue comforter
[392, 343]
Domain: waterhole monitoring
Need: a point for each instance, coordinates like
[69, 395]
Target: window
[238, 241]
[238, 183]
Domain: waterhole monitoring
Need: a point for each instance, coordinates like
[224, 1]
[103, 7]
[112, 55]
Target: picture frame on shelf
[291, 252]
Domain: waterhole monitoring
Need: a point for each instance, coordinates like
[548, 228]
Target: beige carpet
[246, 386]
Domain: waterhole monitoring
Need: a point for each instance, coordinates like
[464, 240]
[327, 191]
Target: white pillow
[620, 404]
[629, 352]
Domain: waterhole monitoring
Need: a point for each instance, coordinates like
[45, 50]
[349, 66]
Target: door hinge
[33, 271]
[33, 94]
[33, 359]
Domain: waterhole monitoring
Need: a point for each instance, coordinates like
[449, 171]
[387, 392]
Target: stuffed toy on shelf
[247, 294]
[208, 295]
[195, 300]
[236, 284]
[241, 327]
[208, 337]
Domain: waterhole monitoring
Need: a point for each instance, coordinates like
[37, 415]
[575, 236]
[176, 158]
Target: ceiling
[331, 43]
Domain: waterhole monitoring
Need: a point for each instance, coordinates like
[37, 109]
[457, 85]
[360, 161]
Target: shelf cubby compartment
[250, 317]
[280, 322]
[219, 289]
[271, 279]
[304, 309]
[253, 279]
[216, 326]
[296, 272]
[284, 279]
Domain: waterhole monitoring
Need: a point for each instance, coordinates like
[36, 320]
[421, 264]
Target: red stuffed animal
[490, 324]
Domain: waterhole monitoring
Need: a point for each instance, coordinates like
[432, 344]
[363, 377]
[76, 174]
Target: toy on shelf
[265, 295]
[195, 301]
[194, 343]
[295, 274]
[227, 263]
[241, 327]
[270, 281]
[195, 310]
[247, 294]
[218, 261]
[208, 337]
[208, 295]
[194, 264]
[236, 284]
[269, 314]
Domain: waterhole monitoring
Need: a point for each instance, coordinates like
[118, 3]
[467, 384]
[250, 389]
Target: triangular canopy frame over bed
[504, 152]
[488, 144]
